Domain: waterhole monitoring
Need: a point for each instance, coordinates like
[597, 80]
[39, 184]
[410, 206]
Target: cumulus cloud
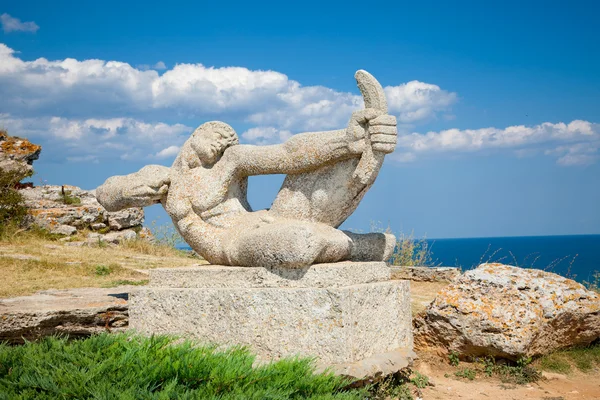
[415, 101]
[93, 139]
[168, 152]
[575, 143]
[107, 89]
[12, 24]
[266, 135]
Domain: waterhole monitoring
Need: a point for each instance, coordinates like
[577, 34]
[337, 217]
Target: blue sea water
[575, 256]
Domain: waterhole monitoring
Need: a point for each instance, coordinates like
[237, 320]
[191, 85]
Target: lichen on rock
[510, 312]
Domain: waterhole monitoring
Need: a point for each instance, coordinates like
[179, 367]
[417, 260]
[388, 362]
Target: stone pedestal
[341, 313]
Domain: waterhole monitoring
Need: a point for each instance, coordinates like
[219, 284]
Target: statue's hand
[151, 183]
[381, 130]
[383, 133]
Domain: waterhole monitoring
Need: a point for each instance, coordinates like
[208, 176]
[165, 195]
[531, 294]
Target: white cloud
[168, 152]
[576, 154]
[266, 135]
[415, 101]
[93, 139]
[12, 24]
[576, 143]
[108, 89]
[159, 65]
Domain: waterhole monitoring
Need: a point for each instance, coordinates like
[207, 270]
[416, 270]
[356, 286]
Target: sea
[573, 256]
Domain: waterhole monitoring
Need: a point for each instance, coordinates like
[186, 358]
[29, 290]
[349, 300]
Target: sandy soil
[552, 387]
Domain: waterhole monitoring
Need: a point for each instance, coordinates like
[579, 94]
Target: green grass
[121, 366]
[586, 359]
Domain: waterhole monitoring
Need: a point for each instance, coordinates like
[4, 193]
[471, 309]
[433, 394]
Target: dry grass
[30, 262]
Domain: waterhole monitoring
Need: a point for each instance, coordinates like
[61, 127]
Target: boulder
[127, 218]
[508, 312]
[75, 312]
[17, 154]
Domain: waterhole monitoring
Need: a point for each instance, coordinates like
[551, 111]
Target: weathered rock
[53, 207]
[119, 236]
[98, 226]
[509, 312]
[425, 274]
[66, 230]
[127, 218]
[76, 312]
[17, 154]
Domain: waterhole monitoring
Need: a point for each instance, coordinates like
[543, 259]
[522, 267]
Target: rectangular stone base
[345, 322]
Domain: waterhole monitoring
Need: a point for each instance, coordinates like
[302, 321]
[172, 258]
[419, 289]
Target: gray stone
[328, 173]
[119, 236]
[509, 312]
[337, 324]
[128, 218]
[76, 312]
[98, 226]
[425, 274]
[319, 275]
[66, 230]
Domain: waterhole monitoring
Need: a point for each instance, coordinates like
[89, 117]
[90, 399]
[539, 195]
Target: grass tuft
[585, 359]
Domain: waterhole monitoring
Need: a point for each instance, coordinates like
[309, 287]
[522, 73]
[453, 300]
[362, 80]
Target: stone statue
[328, 173]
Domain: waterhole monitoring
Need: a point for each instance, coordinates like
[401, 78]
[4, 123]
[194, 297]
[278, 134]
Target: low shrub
[121, 366]
[12, 207]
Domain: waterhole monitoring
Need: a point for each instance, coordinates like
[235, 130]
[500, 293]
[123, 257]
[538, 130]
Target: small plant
[419, 380]
[67, 198]
[453, 359]
[466, 373]
[412, 252]
[166, 234]
[103, 270]
[395, 386]
[489, 366]
[520, 373]
[594, 283]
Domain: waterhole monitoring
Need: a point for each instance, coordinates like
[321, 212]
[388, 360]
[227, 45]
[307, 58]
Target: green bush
[121, 366]
[12, 208]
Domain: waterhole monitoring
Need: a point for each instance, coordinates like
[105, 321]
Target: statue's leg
[328, 196]
[286, 243]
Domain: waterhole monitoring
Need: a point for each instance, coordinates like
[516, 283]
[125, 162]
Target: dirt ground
[551, 387]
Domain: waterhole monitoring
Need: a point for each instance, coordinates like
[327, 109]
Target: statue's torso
[216, 194]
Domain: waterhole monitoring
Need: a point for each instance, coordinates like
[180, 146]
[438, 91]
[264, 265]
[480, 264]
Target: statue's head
[210, 140]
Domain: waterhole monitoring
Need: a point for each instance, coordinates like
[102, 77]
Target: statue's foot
[371, 246]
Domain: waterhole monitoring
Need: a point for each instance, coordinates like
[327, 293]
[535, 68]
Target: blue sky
[498, 105]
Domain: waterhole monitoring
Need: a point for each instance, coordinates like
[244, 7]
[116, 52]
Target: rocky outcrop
[74, 312]
[66, 209]
[17, 154]
[508, 312]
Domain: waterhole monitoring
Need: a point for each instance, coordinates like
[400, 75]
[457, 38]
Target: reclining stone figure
[328, 173]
